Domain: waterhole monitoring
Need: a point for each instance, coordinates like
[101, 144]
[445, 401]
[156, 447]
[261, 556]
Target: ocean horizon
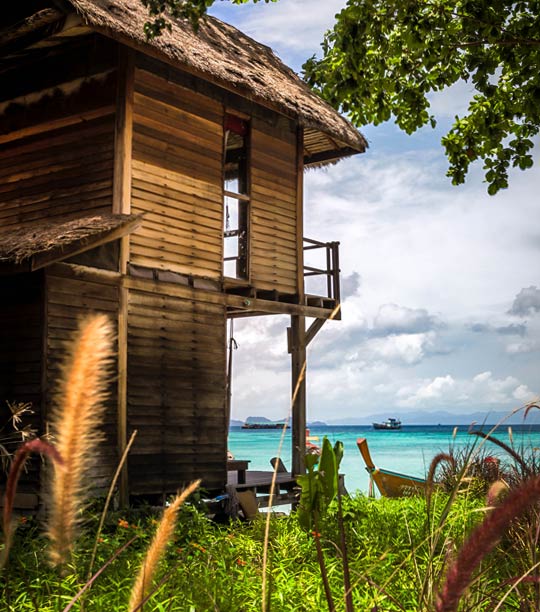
[408, 450]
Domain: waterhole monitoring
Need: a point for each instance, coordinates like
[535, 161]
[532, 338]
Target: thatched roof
[33, 246]
[222, 54]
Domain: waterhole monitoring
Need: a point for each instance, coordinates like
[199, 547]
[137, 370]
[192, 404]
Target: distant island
[444, 418]
[262, 420]
[415, 418]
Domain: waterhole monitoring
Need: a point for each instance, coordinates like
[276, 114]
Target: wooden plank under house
[158, 181]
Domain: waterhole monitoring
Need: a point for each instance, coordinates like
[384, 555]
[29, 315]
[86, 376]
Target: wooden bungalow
[158, 181]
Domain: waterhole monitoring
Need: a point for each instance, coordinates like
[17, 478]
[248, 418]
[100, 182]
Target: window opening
[236, 198]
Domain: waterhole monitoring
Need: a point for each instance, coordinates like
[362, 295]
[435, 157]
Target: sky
[441, 284]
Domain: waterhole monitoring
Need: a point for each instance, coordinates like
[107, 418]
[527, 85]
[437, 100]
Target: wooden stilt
[298, 371]
[298, 326]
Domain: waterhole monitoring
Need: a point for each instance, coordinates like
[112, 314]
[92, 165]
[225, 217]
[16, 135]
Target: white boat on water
[390, 423]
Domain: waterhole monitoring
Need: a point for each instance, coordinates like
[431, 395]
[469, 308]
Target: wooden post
[122, 205]
[300, 214]
[298, 372]
[298, 325]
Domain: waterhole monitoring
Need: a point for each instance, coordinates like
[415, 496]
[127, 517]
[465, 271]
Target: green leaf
[338, 452]
[403, 51]
[328, 471]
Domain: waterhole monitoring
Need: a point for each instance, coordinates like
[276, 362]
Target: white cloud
[524, 346]
[394, 319]
[481, 391]
[413, 239]
[452, 101]
[523, 394]
[428, 391]
[405, 348]
[295, 28]
[350, 285]
[527, 301]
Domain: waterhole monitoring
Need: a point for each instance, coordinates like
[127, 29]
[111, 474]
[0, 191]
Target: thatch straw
[220, 53]
[75, 419]
[20, 243]
[156, 549]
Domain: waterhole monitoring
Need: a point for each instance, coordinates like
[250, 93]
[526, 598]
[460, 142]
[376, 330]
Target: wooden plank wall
[176, 392]
[21, 327]
[68, 299]
[57, 133]
[177, 174]
[273, 207]
[58, 174]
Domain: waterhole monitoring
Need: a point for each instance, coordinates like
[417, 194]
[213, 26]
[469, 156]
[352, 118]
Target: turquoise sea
[408, 450]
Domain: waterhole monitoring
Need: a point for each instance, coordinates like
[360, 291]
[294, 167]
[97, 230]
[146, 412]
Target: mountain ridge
[440, 417]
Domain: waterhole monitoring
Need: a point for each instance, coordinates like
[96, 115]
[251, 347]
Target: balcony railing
[330, 254]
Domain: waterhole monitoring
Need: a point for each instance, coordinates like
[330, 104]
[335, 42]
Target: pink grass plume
[483, 540]
[23, 452]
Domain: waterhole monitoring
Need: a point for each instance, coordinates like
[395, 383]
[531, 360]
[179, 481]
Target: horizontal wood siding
[177, 174]
[68, 300]
[176, 392]
[55, 174]
[273, 208]
[21, 333]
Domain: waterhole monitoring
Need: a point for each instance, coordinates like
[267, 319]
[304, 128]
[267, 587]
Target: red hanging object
[236, 125]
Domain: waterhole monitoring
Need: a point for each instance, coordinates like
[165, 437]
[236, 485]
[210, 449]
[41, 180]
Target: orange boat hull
[390, 484]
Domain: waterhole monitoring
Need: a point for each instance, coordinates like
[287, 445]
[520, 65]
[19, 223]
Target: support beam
[30, 29]
[123, 133]
[314, 329]
[300, 288]
[122, 205]
[311, 332]
[298, 378]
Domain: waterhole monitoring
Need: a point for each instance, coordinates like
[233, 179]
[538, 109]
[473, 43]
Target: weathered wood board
[273, 261]
[176, 391]
[67, 301]
[177, 175]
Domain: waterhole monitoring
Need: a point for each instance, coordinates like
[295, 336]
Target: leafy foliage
[219, 568]
[319, 486]
[383, 57]
[193, 10]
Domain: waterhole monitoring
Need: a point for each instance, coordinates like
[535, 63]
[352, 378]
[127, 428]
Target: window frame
[243, 199]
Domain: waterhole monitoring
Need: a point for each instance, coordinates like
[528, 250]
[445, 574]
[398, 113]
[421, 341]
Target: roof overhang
[37, 245]
[217, 53]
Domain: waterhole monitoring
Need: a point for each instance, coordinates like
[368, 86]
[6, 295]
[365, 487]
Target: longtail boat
[390, 484]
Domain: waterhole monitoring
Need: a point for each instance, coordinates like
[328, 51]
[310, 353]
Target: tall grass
[75, 420]
[438, 552]
[156, 549]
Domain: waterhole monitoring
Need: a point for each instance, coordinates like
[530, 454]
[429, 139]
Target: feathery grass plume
[516, 456]
[495, 491]
[22, 454]
[435, 462]
[529, 407]
[77, 413]
[483, 540]
[156, 549]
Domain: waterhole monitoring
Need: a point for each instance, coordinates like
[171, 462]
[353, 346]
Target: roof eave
[53, 255]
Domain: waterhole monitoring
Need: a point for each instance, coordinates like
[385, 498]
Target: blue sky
[442, 283]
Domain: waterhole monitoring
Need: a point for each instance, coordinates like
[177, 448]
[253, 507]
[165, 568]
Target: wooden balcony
[321, 287]
[330, 253]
